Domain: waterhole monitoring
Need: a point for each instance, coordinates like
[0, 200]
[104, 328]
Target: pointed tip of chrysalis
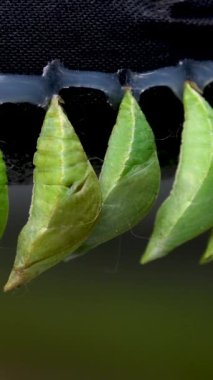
[55, 102]
[206, 259]
[153, 252]
[147, 258]
[16, 279]
[144, 260]
[57, 99]
[192, 85]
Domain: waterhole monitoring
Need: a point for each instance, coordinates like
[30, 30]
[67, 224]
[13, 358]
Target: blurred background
[105, 316]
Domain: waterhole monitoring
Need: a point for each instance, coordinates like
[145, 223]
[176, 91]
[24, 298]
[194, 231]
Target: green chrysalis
[130, 176]
[208, 254]
[65, 204]
[187, 212]
[4, 203]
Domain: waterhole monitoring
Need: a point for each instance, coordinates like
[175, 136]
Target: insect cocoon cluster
[72, 211]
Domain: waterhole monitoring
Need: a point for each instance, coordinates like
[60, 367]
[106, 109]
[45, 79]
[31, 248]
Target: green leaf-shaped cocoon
[130, 175]
[208, 254]
[66, 200]
[4, 203]
[187, 212]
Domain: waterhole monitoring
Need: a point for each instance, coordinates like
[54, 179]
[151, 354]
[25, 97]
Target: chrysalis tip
[194, 86]
[205, 260]
[145, 259]
[153, 252]
[15, 280]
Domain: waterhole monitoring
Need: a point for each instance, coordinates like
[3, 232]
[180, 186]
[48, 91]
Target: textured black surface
[102, 35]
[93, 119]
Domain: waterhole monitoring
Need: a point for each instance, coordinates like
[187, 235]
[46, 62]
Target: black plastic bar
[200, 72]
[172, 77]
[23, 88]
[38, 90]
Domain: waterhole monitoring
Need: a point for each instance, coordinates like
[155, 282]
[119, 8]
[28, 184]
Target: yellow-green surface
[110, 326]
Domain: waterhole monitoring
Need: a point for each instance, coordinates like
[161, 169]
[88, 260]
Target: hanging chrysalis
[66, 200]
[187, 212]
[4, 203]
[130, 176]
[208, 254]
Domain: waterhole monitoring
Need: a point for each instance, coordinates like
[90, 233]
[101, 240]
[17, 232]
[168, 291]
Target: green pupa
[130, 176]
[187, 212]
[208, 254]
[66, 200]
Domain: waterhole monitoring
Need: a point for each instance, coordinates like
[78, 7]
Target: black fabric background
[98, 35]
[103, 35]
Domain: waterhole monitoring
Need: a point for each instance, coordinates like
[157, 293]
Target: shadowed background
[103, 315]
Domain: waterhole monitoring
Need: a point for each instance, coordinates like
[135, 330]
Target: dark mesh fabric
[105, 36]
[102, 35]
